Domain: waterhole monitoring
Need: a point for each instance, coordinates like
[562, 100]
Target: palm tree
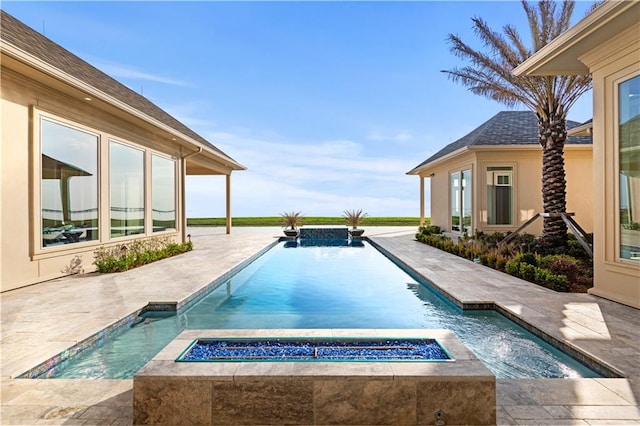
[490, 74]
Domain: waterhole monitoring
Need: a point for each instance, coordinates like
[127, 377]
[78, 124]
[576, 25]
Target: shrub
[501, 262]
[527, 271]
[425, 231]
[551, 280]
[529, 258]
[560, 272]
[123, 257]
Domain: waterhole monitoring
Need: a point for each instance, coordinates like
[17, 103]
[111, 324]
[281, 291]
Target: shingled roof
[504, 128]
[33, 43]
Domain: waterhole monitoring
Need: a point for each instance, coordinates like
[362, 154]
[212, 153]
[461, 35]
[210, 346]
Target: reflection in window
[499, 195]
[163, 193]
[629, 154]
[69, 184]
[126, 180]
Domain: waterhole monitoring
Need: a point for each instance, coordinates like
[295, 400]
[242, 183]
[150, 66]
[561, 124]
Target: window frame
[38, 251]
[175, 191]
[616, 167]
[485, 201]
[145, 190]
[459, 172]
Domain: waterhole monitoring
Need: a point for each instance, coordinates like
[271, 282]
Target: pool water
[335, 286]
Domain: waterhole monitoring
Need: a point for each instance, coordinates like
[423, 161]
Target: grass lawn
[308, 220]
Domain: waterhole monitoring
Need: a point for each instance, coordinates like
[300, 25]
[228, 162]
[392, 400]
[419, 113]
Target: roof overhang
[425, 168]
[585, 129]
[34, 68]
[563, 55]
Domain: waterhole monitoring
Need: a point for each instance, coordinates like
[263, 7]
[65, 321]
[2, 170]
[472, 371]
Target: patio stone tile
[527, 412]
[561, 392]
[62, 422]
[503, 418]
[606, 412]
[553, 422]
[628, 389]
[23, 414]
[97, 412]
[559, 411]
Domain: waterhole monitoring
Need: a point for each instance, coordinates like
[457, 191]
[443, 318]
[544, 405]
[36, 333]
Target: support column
[421, 200]
[228, 192]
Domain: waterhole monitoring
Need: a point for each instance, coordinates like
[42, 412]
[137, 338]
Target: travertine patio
[40, 321]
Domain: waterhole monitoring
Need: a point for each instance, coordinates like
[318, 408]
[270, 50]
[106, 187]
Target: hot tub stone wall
[167, 392]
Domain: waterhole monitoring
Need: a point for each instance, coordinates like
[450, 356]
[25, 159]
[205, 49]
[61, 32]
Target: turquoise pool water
[335, 286]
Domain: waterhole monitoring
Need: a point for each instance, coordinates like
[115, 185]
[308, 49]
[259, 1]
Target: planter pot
[291, 232]
[355, 233]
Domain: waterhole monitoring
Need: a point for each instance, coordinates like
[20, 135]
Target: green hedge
[307, 220]
[554, 271]
[123, 257]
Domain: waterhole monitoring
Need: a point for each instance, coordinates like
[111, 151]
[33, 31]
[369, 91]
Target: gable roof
[18, 35]
[504, 128]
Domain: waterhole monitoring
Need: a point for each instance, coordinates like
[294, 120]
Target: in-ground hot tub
[241, 391]
[312, 349]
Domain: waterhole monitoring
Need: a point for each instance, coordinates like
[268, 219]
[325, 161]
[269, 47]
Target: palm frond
[489, 72]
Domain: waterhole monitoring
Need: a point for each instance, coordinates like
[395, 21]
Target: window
[126, 180]
[629, 157]
[499, 195]
[69, 184]
[163, 193]
[461, 201]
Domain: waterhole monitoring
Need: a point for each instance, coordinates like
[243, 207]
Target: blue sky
[328, 104]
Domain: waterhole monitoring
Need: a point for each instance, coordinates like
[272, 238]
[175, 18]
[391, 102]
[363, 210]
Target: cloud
[318, 178]
[403, 136]
[120, 71]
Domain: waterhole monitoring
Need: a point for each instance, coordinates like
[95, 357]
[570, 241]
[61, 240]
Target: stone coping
[465, 364]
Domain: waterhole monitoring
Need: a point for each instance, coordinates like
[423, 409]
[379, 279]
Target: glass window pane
[499, 195]
[69, 184]
[466, 201]
[629, 153]
[455, 201]
[163, 193]
[126, 180]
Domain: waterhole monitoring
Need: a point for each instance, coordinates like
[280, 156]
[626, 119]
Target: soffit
[562, 56]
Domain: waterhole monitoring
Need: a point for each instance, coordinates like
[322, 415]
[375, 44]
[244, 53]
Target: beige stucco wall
[23, 262]
[527, 164]
[440, 200]
[611, 63]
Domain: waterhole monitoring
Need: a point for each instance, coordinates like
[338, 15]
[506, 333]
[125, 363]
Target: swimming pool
[335, 285]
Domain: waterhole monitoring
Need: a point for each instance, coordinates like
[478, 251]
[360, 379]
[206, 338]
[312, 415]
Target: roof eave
[562, 55]
[425, 166]
[528, 147]
[38, 64]
[585, 129]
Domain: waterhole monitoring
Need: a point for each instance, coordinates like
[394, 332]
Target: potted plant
[291, 221]
[354, 218]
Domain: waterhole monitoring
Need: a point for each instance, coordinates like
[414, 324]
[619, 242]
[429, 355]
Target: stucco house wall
[23, 262]
[606, 44]
[41, 82]
[474, 153]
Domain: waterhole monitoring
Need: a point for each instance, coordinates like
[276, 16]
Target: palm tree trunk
[553, 134]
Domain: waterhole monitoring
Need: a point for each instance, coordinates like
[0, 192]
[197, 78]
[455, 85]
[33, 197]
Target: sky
[328, 104]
